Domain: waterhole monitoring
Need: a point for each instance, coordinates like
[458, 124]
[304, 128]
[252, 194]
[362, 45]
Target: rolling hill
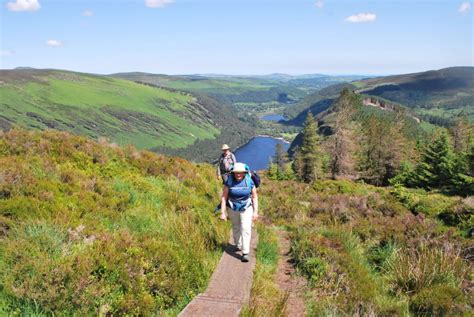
[99, 106]
[436, 94]
[225, 89]
[445, 92]
[242, 89]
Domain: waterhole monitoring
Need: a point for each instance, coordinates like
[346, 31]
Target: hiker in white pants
[240, 194]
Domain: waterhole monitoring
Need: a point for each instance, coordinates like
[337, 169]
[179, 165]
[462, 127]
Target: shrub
[87, 229]
[378, 254]
[438, 300]
[419, 201]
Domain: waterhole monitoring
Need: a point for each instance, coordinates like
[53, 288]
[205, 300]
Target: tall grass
[95, 229]
[410, 270]
[355, 244]
[266, 298]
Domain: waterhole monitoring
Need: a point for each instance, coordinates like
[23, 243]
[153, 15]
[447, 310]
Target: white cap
[239, 168]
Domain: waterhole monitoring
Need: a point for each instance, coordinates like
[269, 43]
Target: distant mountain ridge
[241, 88]
[443, 93]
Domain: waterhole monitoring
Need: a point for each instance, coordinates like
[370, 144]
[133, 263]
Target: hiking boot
[245, 258]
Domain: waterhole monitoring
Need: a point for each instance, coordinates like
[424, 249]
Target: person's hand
[223, 217]
[254, 217]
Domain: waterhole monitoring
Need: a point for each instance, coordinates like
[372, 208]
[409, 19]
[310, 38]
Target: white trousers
[242, 228]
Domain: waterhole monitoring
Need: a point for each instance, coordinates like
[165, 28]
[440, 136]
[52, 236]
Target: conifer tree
[297, 165]
[309, 164]
[272, 171]
[342, 142]
[436, 168]
[463, 134]
[280, 159]
[382, 149]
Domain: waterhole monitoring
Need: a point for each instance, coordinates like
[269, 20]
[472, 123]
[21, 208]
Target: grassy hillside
[443, 93]
[123, 111]
[374, 251]
[89, 229]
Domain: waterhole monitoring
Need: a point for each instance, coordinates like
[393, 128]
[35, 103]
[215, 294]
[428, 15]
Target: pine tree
[310, 161]
[281, 160]
[297, 165]
[463, 134]
[272, 171]
[436, 169]
[342, 143]
[382, 149]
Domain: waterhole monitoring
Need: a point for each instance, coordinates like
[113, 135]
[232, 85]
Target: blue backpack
[255, 177]
[239, 206]
[240, 193]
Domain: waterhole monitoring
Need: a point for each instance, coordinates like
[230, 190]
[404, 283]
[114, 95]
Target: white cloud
[54, 43]
[319, 4]
[464, 7]
[362, 17]
[23, 5]
[87, 13]
[157, 3]
[6, 53]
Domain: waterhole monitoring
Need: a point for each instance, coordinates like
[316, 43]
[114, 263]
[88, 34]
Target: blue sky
[237, 37]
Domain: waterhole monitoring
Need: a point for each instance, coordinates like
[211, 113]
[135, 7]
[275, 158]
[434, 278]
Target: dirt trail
[229, 288]
[287, 281]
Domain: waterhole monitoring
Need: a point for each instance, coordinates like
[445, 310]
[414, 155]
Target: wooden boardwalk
[229, 288]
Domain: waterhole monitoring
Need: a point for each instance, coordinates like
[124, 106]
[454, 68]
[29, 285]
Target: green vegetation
[441, 168]
[266, 298]
[89, 228]
[436, 95]
[365, 252]
[249, 97]
[97, 229]
[123, 111]
[308, 159]
[242, 89]
[369, 250]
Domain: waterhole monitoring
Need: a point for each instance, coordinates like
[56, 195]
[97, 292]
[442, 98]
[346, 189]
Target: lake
[258, 151]
[273, 117]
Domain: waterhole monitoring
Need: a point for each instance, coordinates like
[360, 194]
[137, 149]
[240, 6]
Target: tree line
[382, 150]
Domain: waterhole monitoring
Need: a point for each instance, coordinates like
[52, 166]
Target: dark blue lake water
[258, 151]
[273, 117]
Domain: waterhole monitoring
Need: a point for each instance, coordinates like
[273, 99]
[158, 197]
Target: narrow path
[287, 281]
[229, 288]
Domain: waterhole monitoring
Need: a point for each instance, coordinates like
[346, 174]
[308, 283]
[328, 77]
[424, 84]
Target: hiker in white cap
[225, 164]
[240, 194]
